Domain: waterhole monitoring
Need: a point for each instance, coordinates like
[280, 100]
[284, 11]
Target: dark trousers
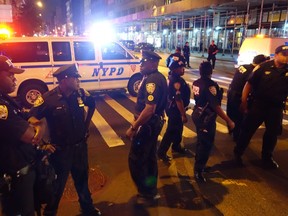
[142, 158]
[20, 200]
[172, 135]
[213, 58]
[187, 59]
[72, 159]
[259, 113]
[205, 142]
[233, 105]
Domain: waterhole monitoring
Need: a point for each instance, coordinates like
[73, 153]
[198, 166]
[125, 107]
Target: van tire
[133, 85]
[29, 93]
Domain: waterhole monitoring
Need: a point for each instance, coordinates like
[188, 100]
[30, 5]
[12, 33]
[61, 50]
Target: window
[84, 51]
[61, 51]
[25, 51]
[113, 51]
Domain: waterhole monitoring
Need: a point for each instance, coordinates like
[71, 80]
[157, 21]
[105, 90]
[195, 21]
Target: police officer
[208, 96]
[186, 53]
[170, 57]
[269, 83]
[63, 108]
[144, 131]
[212, 51]
[17, 153]
[235, 92]
[178, 100]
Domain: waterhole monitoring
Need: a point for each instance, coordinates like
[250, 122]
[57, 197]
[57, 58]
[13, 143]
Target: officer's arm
[144, 116]
[226, 118]
[39, 127]
[90, 113]
[180, 106]
[245, 93]
[28, 135]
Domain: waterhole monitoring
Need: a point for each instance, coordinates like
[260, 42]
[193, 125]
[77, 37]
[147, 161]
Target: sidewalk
[227, 56]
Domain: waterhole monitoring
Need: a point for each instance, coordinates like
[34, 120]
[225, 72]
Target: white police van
[258, 45]
[102, 67]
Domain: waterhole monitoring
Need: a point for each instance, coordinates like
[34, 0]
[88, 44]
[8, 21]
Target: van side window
[26, 51]
[84, 50]
[113, 51]
[61, 51]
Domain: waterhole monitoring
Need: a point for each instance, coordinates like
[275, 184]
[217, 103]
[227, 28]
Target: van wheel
[133, 85]
[29, 93]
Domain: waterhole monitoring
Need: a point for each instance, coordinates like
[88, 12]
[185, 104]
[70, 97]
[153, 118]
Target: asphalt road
[229, 191]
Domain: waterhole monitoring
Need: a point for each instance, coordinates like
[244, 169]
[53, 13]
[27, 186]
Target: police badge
[3, 112]
[150, 88]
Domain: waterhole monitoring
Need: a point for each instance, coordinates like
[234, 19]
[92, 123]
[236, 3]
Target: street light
[39, 4]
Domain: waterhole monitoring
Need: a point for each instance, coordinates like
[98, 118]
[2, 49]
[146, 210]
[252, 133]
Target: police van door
[87, 58]
[116, 66]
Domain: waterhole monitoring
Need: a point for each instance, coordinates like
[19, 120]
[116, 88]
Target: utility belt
[6, 178]
[69, 146]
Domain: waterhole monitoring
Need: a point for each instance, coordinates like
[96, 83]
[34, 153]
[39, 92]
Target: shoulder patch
[242, 69]
[150, 88]
[213, 90]
[39, 101]
[177, 86]
[3, 112]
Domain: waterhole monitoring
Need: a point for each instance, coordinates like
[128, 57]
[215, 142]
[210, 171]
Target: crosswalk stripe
[120, 109]
[108, 134]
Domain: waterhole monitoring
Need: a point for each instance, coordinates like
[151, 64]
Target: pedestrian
[186, 52]
[212, 51]
[208, 96]
[269, 83]
[234, 93]
[178, 101]
[144, 131]
[170, 57]
[63, 108]
[17, 147]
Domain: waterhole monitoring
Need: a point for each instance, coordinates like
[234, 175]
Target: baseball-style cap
[7, 65]
[260, 58]
[177, 60]
[283, 49]
[66, 71]
[149, 55]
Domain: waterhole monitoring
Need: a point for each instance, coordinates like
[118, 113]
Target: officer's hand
[231, 126]
[39, 133]
[130, 133]
[48, 148]
[184, 119]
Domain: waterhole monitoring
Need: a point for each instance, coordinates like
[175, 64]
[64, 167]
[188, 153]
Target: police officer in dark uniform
[208, 96]
[144, 131]
[63, 108]
[178, 101]
[17, 153]
[170, 57]
[235, 92]
[212, 51]
[186, 53]
[269, 83]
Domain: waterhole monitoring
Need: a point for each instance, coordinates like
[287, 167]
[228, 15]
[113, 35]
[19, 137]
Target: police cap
[65, 71]
[7, 65]
[149, 55]
[177, 60]
[283, 49]
[205, 69]
[260, 58]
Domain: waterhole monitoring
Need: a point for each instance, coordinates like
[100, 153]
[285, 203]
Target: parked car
[144, 46]
[129, 44]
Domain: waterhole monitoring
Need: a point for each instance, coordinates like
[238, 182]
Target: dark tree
[26, 19]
